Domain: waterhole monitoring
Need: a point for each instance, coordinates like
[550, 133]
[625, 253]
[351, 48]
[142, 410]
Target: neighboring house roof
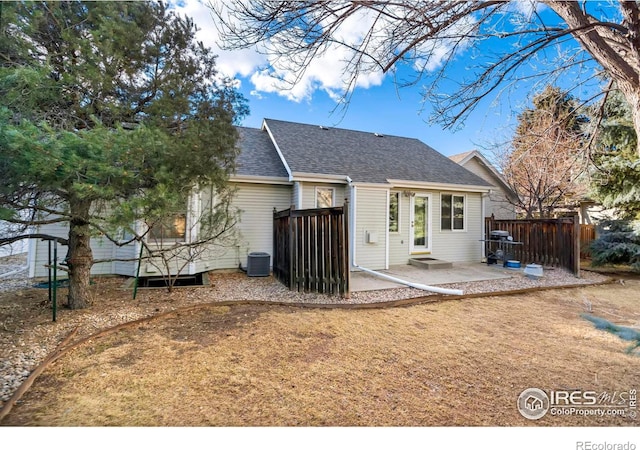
[363, 157]
[258, 156]
[460, 157]
[498, 179]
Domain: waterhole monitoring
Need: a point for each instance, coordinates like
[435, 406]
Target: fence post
[275, 243]
[292, 250]
[576, 245]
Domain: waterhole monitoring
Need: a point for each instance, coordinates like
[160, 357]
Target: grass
[453, 363]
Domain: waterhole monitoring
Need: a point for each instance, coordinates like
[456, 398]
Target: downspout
[423, 287]
[352, 220]
[483, 231]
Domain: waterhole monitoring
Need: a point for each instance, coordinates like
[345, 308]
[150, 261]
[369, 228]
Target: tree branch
[46, 237]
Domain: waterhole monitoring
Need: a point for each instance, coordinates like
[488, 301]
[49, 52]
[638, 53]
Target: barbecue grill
[500, 235]
[499, 247]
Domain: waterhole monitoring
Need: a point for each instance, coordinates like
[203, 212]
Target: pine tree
[618, 243]
[616, 166]
[109, 113]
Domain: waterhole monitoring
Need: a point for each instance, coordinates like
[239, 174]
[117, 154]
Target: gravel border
[24, 349]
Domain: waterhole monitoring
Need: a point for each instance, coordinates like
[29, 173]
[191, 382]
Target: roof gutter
[439, 186]
[319, 177]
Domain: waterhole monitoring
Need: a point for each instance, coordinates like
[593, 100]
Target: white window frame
[333, 196]
[464, 213]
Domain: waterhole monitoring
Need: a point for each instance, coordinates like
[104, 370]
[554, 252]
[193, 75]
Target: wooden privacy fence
[311, 250]
[548, 242]
[587, 235]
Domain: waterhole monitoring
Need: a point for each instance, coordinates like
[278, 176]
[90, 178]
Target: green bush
[618, 242]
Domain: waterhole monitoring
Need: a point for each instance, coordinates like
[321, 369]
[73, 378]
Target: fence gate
[549, 242]
[311, 249]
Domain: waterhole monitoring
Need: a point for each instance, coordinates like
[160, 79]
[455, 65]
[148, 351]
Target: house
[498, 203]
[405, 199]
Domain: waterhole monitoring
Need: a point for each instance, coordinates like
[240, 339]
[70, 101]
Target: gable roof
[258, 156]
[460, 157]
[463, 158]
[362, 156]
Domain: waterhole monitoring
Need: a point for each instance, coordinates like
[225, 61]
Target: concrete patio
[460, 273]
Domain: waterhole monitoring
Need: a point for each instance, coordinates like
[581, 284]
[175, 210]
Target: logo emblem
[533, 403]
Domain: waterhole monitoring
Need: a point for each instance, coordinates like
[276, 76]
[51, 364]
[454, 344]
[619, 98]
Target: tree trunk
[632, 95]
[80, 257]
[621, 65]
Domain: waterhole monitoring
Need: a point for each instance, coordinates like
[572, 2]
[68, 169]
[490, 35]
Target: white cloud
[325, 73]
[527, 7]
[236, 63]
[328, 72]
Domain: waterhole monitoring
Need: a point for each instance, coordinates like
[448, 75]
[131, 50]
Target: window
[169, 228]
[394, 212]
[452, 212]
[324, 197]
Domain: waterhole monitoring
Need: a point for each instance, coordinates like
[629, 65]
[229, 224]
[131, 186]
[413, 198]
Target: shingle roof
[363, 156]
[258, 156]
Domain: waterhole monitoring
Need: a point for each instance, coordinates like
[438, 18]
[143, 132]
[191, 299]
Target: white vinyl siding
[254, 230]
[40, 257]
[371, 220]
[459, 246]
[101, 246]
[497, 203]
[127, 268]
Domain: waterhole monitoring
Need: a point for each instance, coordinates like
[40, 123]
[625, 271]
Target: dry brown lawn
[452, 363]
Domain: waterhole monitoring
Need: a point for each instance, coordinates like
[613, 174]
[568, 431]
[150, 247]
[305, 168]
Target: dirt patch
[453, 363]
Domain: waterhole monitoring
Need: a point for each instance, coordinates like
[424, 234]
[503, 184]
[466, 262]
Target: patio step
[430, 263]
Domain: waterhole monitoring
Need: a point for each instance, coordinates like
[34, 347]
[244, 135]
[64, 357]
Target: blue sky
[376, 105]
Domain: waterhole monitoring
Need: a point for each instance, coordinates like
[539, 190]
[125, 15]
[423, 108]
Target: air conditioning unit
[258, 264]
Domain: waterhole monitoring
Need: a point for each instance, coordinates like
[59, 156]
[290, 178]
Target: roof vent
[378, 135]
[322, 127]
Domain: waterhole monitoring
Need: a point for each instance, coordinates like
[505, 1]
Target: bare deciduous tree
[546, 164]
[533, 40]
